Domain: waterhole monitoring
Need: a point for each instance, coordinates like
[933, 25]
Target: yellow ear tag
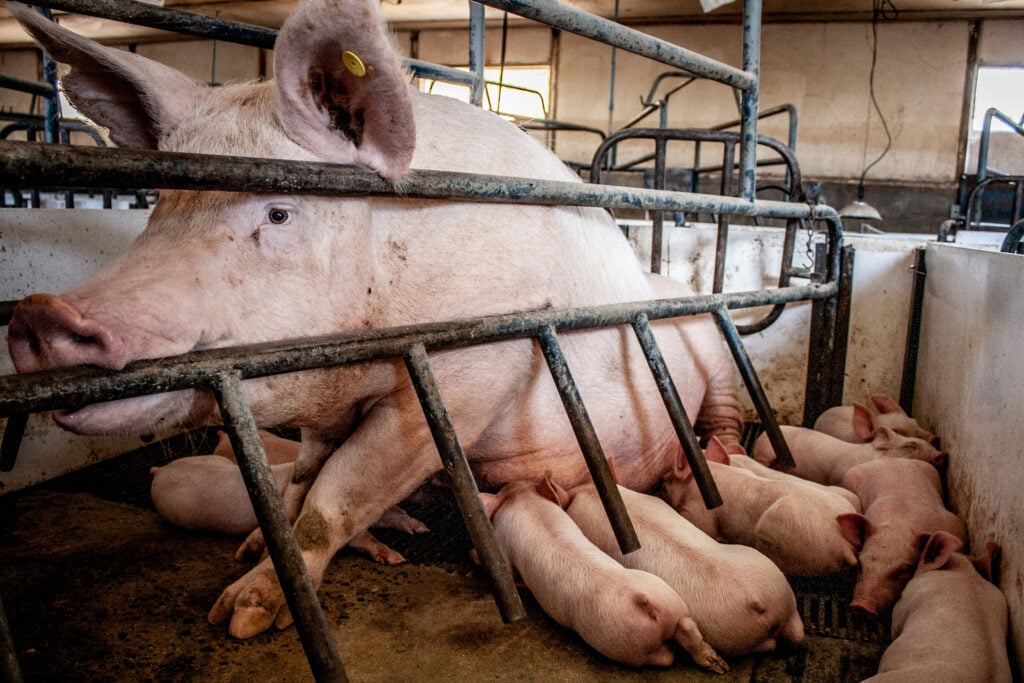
[353, 63]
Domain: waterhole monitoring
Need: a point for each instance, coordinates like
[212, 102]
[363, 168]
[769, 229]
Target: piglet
[739, 599]
[902, 502]
[797, 526]
[279, 450]
[950, 624]
[857, 423]
[751, 465]
[825, 459]
[625, 614]
[207, 493]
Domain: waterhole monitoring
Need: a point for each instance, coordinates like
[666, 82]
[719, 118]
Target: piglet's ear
[553, 492]
[136, 98]
[937, 551]
[344, 95]
[863, 422]
[716, 452]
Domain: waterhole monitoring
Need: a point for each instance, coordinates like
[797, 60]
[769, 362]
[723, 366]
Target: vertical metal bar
[477, 56]
[844, 302]
[677, 413]
[722, 239]
[9, 668]
[913, 332]
[463, 485]
[51, 119]
[11, 444]
[819, 395]
[658, 217]
[754, 388]
[748, 127]
[320, 648]
[589, 444]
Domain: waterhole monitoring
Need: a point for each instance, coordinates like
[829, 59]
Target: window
[524, 92]
[1001, 88]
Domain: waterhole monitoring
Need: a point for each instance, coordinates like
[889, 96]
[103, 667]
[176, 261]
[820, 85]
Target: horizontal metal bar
[38, 391]
[582, 23]
[26, 164]
[168, 19]
[32, 87]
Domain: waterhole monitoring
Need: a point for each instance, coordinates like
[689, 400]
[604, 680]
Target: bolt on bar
[467, 496]
[597, 464]
[320, 648]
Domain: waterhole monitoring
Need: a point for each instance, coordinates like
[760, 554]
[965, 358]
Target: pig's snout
[47, 332]
[864, 608]
[940, 460]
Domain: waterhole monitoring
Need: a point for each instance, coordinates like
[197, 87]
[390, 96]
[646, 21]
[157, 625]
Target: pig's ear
[343, 94]
[854, 527]
[716, 452]
[884, 438]
[988, 563]
[862, 422]
[940, 547]
[884, 404]
[136, 98]
[553, 492]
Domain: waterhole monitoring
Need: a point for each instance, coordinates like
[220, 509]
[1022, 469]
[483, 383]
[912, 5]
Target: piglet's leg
[369, 545]
[357, 484]
[397, 518]
[689, 636]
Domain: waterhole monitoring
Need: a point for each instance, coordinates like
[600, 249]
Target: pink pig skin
[625, 614]
[223, 269]
[902, 501]
[795, 525]
[206, 493]
[825, 459]
[950, 624]
[740, 600]
[857, 423]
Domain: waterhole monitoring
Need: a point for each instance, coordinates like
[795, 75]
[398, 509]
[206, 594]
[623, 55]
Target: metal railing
[222, 370]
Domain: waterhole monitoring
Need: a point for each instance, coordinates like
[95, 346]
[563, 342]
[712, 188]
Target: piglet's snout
[46, 332]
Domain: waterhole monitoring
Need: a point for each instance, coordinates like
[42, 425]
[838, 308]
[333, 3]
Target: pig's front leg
[312, 455]
[368, 474]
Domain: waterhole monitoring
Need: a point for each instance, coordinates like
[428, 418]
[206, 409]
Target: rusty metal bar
[825, 374]
[298, 588]
[9, 668]
[754, 388]
[25, 165]
[463, 485]
[909, 379]
[625, 534]
[677, 413]
[48, 390]
[14, 430]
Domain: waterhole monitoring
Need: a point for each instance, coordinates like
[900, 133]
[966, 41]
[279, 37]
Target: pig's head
[891, 414]
[217, 269]
[894, 445]
[888, 557]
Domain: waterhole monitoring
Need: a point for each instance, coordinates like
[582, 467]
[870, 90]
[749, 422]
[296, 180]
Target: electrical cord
[881, 9]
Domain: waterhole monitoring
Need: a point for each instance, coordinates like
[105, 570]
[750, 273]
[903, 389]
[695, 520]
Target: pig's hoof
[397, 518]
[254, 603]
[368, 544]
[709, 659]
[252, 547]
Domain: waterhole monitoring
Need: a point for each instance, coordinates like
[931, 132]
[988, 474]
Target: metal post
[51, 127]
[657, 217]
[913, 333]
[477, 55]
[315, 634]
[826, 359]
[754, 388]
[463, 485]
[748, 129]
[14, 430]
[589, 444]
[677, 413]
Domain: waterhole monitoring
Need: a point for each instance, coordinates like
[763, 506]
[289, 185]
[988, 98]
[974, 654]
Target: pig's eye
[278, 216]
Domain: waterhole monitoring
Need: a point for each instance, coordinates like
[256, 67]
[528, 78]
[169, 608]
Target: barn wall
[969, 391]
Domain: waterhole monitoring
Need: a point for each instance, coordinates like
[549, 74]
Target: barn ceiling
[405, 14]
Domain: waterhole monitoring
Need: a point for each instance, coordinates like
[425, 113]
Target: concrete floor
[97, 590]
